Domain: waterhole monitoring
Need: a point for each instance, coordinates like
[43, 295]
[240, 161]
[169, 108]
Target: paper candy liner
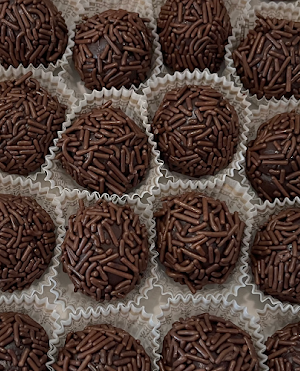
[237, 199]
[63, 289]
[187, 307]
[144, 9]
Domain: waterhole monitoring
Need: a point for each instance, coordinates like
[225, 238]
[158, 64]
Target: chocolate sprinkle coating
[207, 343]
[29, 121]
[283, 349]
[105, 251]
[113, 49]
[275, 256]
[268, 60]
[102, 347]
[27, 241]
[31, 31]
[196, 130]
[193, 34]
[199, 240]
[23, 343]
[273, 158]
[104, 150]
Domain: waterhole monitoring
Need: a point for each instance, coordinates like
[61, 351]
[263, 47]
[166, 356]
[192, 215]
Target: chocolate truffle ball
[24, 343]
[105, 251]
[207, 342]
[275, 256]
[283, 349]
[29, 120]
[113, 49]
[105, 151]
[193, 34]
[31, 32]
[196, 130]
[116, 350]
[199, 240]
[27, 241]
[268, 60]
[273, 158]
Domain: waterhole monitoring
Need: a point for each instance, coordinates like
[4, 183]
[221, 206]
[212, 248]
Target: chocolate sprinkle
[199, 240]
[113, 49]
[104, 150]
[27, 241]
[105, 251]
[273, 158]
[102, 347]
[207, 343]
[23, 343]
[283, 349]
[193, 34]
[196, 130]
[31, 31]
[275, 256]
[268, 60]
[29, 120]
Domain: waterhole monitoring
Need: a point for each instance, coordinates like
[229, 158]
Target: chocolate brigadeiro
[29, 120]
[24, 343]
[32, 31]
[102, 347]
[193, 34]
[104, 150]
[27, 241]
[268, 60]
[275, 256]
[273, 158]
[283, 349]
[207, 342]
[105, 251]
[196, 130]
[113, 49]
[199, 240]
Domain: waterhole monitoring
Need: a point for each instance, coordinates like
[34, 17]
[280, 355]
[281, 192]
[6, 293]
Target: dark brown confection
[283, 349]
[102, 347]
[207, 343]
[24, 343]
[104, 150]
[193, 34]
[196, 130]
[273, 158]
[29, 121]
[268, 60]
[199, 240]
[32, 31]
[113, 49]
[27, 241]
[275, 256]
[105, 251]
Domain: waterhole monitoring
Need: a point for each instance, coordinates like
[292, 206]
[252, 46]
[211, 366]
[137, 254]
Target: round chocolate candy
[29, 120]
[105, 251]
[32, 32]
[113, 49]
[275, 256]
[199, 240]
[24, 343]
[206, 342]
[193, 34]
[283, 349]
[104, 150]
[196, 130]
[102, 347]
[273, 158]
[268, 60]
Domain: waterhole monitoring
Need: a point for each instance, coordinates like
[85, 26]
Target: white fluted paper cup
[158, 87]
